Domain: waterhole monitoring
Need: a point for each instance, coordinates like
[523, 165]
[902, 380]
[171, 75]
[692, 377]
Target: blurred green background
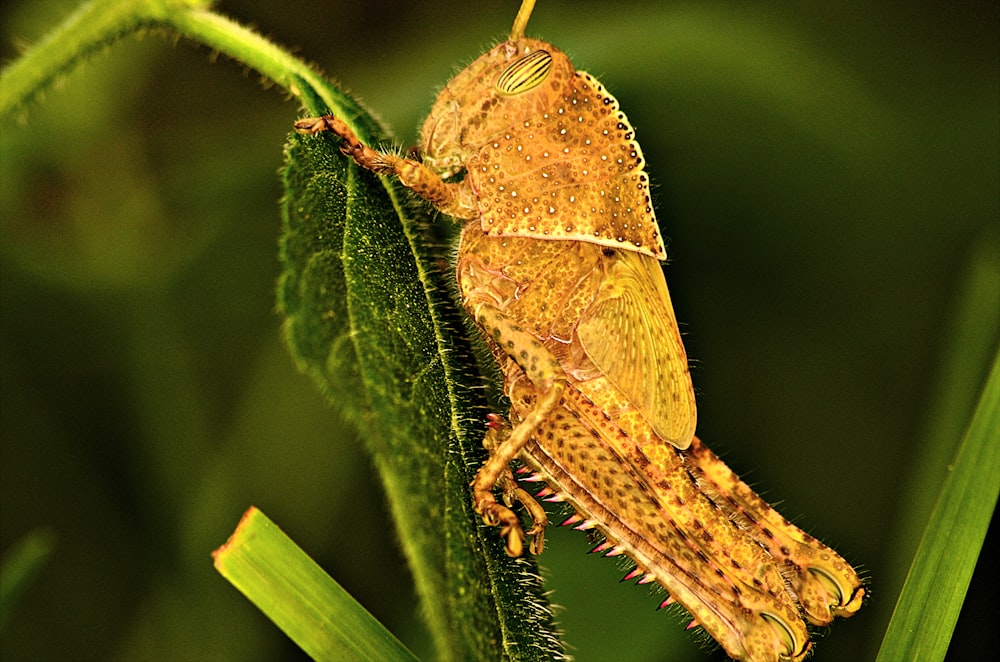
[826, 176]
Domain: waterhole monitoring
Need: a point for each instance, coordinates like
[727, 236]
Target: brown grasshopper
[559, 266]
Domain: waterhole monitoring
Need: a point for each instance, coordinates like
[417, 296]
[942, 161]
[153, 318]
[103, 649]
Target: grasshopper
[559, 266]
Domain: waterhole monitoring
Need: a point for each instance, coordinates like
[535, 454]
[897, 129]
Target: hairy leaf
[370, 316]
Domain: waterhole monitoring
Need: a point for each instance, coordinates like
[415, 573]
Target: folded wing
[631, 335]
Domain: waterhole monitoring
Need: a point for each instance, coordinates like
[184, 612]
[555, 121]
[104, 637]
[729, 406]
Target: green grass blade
[309, 606]
[21, 565]
[932, 596]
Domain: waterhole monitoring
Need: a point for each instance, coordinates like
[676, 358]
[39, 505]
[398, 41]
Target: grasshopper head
[512, 82]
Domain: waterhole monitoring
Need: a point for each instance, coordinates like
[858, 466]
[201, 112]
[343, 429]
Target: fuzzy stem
[100, 23]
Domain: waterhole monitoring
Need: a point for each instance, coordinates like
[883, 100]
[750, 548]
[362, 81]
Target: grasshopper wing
[631, 335]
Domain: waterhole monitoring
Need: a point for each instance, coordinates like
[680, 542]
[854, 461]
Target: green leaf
[371, 317]
[301, 599]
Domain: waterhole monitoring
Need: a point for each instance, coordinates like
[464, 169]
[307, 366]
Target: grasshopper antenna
[521, 20]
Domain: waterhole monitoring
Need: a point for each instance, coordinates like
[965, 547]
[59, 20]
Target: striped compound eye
[525, 74]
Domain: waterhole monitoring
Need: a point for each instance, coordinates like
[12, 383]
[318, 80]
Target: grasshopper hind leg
[505, 444]
[528, 359]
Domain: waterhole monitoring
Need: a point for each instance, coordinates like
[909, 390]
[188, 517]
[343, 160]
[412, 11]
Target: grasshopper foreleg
[454, 199]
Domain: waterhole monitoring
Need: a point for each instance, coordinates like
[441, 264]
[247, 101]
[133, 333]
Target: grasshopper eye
[525, 74]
